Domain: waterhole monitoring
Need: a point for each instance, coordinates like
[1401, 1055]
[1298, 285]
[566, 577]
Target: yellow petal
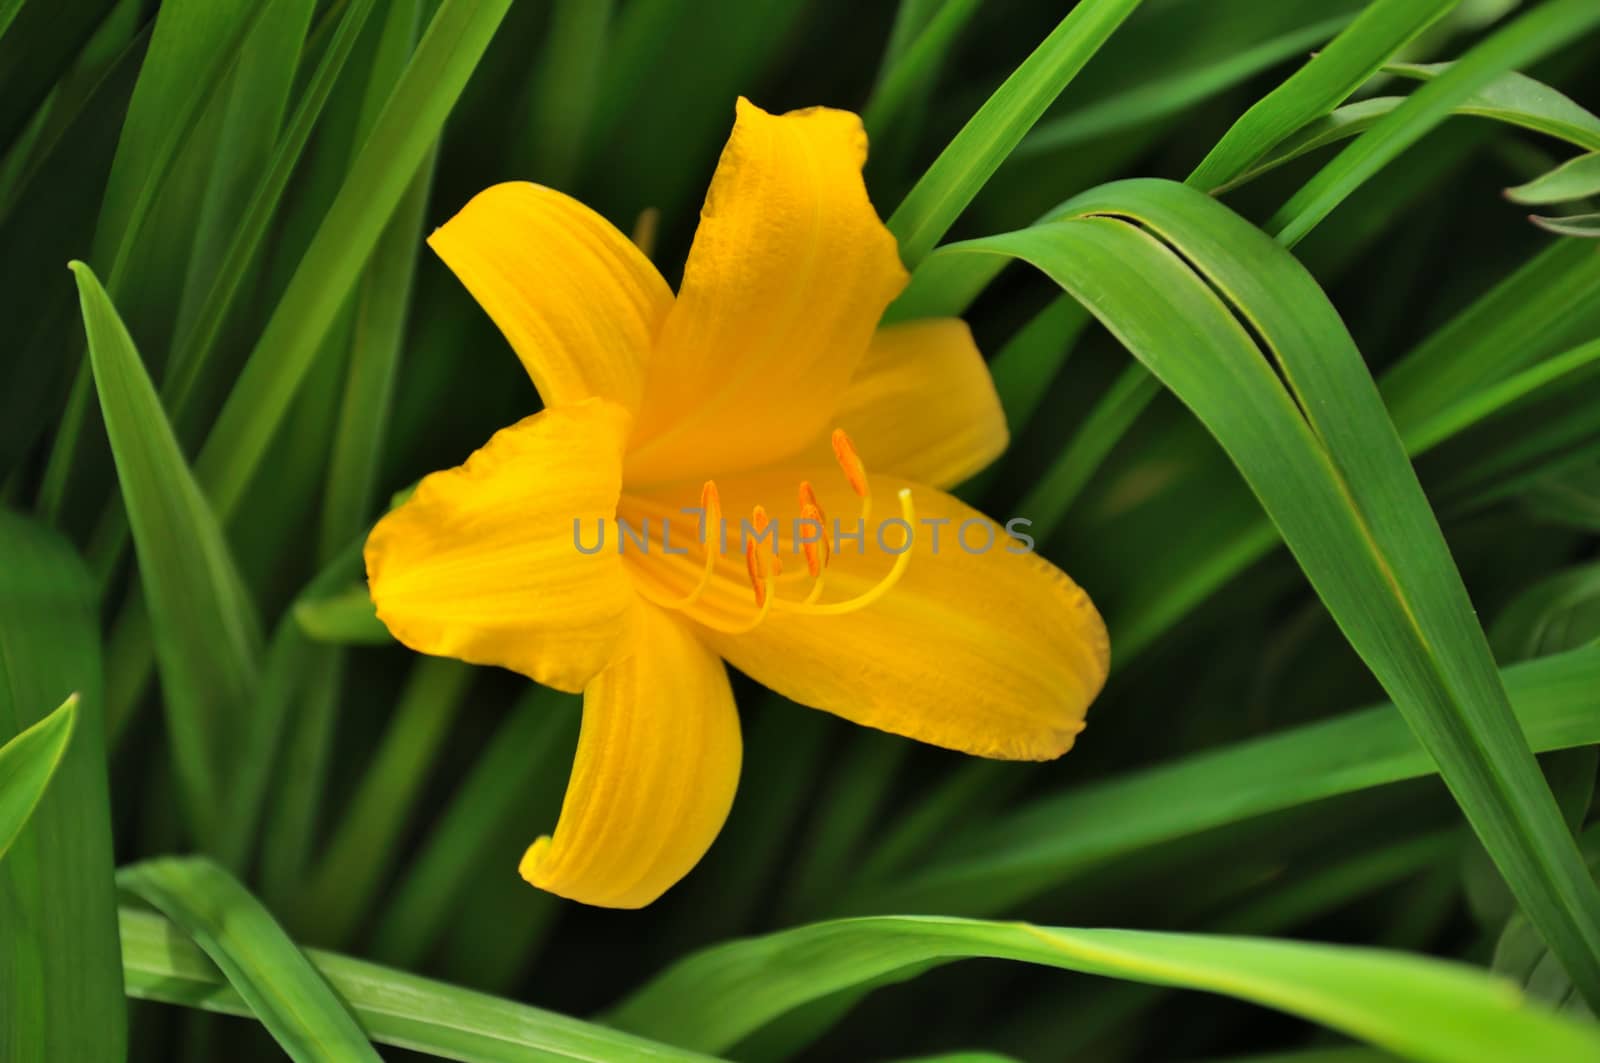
[994, 651]
[657, 765]
[789, 273]
[578, 301]
[922, 405]
[481, 563]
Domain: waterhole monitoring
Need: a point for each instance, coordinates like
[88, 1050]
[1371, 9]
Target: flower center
[763, 565]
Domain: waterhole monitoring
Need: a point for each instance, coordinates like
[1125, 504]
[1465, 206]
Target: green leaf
[1582, 226]
[1555, 614]
[59, 976]
[207, 637]
[913, 65]
[38, 42]
[27, 764]
[345, 618]
[392, 1006]
[1574, 179]
[1535, 312]
[374, 186]
[271, 975]
[1050, 840]
[366, 843]
[1173, 92]
[1329, 468]
[515, 782]
[192, 48]
[1537, 33]
[1316, 88]
[200, 328]
[1520, 109]
[1048, 500]
[956, 176]
[561, 94]
[381, 307]
[1423, 1008]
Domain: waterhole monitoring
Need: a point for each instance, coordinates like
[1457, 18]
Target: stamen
[710, 541]
[759, 520]
[902, 561]
[844, 452]
[757, 568]
[850, 462]
[816, 550]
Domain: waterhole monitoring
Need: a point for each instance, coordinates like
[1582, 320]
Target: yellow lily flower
[765, 387]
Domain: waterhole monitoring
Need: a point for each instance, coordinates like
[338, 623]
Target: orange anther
[850, 462]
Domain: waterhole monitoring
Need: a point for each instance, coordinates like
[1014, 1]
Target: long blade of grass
[499, 798]
[392, 1006]
[912, 64]
[193, 47]
[1423, 1008]
[271, 975]
[1050, 840]
[28, 761]
[1536, 33]
[381, 308]
[1171, 94]
[58, 970]
[376, 182]
[956, 176]
[1356, 118]
[1328, 466]
[365, 844]
[207, 636]
[1318, 87]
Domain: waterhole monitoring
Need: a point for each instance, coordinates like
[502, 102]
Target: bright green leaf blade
[27, 764]
[956, 176]
[1423, 1008]
[1532, 102]
[1050, 840]
[373, 187]
[1574, 179]
[1503, 395]
[274, 978]
[207, 637]
[394, 1007]
[1535, 34]
[59, 979]
[1511, 100]
[1321, 85]
[1536, 311]
[1341, 491]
